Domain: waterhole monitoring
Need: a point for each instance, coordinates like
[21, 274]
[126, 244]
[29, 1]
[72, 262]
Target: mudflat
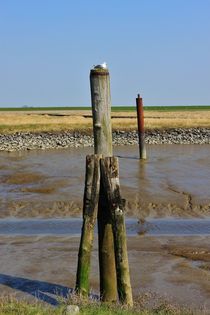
[45, 267]
[174, 181]
[43, 185]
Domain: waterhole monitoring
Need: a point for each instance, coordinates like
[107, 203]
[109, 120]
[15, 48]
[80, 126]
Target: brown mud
[199, 254]
[26, 262]
[174, 181]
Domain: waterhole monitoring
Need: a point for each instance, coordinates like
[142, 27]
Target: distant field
[23, 109]
[57, 119]
[114, 108]
[162, 108]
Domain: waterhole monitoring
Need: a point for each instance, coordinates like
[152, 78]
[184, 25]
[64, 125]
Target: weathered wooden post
[102, 200]
[101, 109]
[90, 210]
[110, 178]
[141, 133]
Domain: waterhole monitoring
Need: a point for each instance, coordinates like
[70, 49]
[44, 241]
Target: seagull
[101, 66]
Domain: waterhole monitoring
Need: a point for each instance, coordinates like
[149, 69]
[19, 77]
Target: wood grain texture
[110, 178]
[101, 110]
[90, 209]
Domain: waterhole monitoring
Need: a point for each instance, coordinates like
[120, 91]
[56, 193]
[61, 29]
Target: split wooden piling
[102, 130]
[102, 200]
[141, 133]
[110, 178]
[90, 210]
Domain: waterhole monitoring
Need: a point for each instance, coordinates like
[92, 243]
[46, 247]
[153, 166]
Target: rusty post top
[139, 96]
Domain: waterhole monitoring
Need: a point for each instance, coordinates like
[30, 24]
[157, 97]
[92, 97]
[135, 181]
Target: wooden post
[140, 120]
[90, 207]
[110, 178]
[101, 109]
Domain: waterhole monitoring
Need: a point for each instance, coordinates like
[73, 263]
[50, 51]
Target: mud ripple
[26, 209]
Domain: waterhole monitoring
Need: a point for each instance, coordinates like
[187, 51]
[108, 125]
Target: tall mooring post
[141, 133]
[101, 109]
[103, 201]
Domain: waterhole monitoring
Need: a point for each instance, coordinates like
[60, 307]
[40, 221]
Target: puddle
[179, 227]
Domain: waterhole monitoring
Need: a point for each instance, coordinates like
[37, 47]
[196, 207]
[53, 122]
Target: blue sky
[158, 48]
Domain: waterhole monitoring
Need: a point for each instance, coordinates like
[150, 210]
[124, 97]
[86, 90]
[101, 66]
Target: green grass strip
[114, 108]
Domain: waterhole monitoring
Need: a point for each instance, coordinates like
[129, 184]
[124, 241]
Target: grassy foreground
[146, 303]
[14, 307]
[26, 309]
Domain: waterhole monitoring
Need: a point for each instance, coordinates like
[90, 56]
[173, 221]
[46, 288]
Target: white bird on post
[101, 66]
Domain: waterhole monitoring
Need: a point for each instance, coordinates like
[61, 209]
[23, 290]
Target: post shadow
[127, 157]
[39, 289]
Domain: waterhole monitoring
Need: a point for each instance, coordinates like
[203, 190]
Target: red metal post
[140, 120]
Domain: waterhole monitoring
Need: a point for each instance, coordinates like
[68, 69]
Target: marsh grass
[12, 122]
[10, 306]
[15, 307]
[143, 305]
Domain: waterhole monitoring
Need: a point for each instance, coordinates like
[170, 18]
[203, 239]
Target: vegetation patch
[123, 118]
[15, 307]
[114, 108]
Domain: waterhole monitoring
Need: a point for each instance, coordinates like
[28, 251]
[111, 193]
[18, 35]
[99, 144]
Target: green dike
[28, 109]
[114, 108]
[161, 108]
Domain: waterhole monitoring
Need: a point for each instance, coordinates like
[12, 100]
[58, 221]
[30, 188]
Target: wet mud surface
[45, 267]
[173, 182]
[168, 209]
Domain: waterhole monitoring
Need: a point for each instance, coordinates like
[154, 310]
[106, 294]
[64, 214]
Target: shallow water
[72, 227]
